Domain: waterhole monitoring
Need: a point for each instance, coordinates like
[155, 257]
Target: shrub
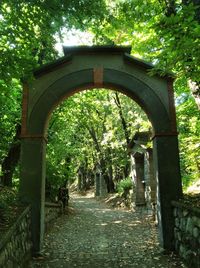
[124, 185]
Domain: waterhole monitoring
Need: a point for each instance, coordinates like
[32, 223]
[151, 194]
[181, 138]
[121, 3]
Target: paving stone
[93, 235]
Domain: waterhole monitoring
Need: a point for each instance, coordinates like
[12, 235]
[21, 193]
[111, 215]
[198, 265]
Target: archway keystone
[97, 67]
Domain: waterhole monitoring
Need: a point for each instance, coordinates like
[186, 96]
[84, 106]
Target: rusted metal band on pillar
[98, 76]
[26, 136]
[164, 134]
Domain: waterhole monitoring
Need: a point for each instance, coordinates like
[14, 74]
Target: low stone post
[100, 185]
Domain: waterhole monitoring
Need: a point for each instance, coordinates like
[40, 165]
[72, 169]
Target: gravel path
[94, 235]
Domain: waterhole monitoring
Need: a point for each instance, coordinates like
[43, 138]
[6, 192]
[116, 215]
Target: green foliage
[8, 198]
[86, 130]
[10, 113]
[189, 128]
[164, 34]
[124, 185]
[167, 34]
[29, 32]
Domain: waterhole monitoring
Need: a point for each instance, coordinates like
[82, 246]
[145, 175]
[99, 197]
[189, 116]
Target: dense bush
[124, 185]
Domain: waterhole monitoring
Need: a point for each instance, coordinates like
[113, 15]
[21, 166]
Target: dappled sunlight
[96, 235]
[111, 216]
[101, 224]
[134, 223]
[117, 222]
[98, 210]
[119, 217]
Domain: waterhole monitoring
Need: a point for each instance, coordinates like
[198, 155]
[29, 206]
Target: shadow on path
[93, 235]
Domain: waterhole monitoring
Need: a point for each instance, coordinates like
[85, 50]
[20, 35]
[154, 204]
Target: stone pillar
[167, 171]
[139, 179]
[32, 185]
[100, 184]
[79, 180]
[103, 186]
[147, 180]
[150, 179]
[97, 184]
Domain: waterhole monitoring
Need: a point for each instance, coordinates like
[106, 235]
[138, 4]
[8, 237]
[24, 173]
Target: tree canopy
[94, 126]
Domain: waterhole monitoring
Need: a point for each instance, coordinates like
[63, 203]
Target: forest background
[92, 129]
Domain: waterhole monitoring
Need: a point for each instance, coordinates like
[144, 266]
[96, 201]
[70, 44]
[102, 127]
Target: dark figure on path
[63, 196]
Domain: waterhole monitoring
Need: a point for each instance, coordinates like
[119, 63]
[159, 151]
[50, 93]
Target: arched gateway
[99, 67]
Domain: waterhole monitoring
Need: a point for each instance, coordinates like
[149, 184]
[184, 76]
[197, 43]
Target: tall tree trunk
[11, 160]
[124, 124]
[111, 185]
[126, 131]
[108, 180]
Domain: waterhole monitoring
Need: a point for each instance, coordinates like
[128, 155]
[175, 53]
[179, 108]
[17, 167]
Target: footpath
[94, 235]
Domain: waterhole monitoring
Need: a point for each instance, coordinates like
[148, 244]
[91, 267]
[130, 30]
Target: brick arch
[99, 67]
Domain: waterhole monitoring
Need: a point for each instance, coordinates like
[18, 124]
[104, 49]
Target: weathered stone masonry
[16, 245]
[187, 233]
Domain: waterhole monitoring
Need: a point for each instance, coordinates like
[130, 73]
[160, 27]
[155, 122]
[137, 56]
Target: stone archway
[97, 67]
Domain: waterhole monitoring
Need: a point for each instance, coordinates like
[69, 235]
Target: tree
[28, 32]
[10, 105]
[165, 32]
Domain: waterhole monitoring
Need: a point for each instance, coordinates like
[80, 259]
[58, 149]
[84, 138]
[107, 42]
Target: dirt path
[97, 236]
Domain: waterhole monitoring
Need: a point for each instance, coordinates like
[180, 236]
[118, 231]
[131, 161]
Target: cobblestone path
[94, 235]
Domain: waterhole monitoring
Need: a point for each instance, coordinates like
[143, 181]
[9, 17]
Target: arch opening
[104, 123]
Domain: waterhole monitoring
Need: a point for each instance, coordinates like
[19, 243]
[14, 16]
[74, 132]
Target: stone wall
[15, 245]
[187, 233]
